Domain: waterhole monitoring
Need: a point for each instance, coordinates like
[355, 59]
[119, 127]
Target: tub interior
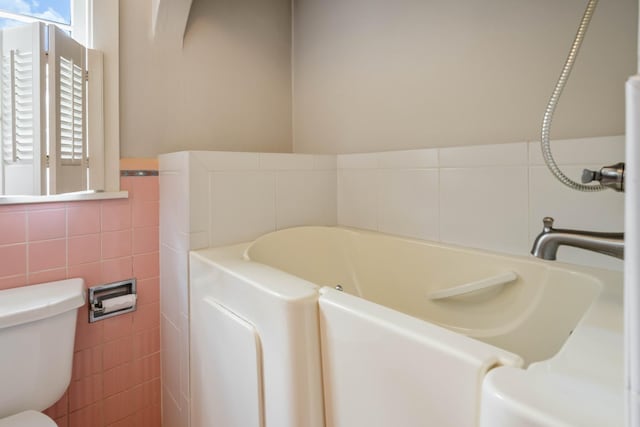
[531, 316]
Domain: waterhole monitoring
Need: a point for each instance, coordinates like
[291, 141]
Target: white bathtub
[390, 353]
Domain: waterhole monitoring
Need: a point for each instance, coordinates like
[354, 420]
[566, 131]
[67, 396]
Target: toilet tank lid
[35, 302]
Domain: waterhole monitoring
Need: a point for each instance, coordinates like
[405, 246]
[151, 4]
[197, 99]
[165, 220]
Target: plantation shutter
[22, 111]
[67, 71]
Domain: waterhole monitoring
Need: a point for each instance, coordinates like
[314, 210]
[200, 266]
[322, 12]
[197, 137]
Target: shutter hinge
[86, 75]
[46, 160]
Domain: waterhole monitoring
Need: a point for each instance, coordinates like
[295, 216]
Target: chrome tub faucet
[547, 243]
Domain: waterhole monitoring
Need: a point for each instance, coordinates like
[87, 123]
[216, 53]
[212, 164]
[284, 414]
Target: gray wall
[370, 75]
[227, 88]
[374, 75]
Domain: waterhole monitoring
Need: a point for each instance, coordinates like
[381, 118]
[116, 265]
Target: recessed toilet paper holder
[112, 299]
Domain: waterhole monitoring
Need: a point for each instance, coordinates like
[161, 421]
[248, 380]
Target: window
[13, 12]
[48, 111]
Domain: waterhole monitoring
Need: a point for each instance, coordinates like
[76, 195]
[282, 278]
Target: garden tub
[348, 327]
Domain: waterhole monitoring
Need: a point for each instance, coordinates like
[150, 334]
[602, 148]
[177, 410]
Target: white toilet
[37, 332]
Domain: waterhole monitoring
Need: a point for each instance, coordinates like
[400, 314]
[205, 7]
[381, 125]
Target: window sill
[66, 197]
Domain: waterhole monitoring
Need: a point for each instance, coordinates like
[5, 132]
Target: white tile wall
[242, 206]
[197, 201]
[358, 198]
[172, 414]
[484, 155]
[174, 220]
[305, 197]
[485, 208]
[218, 198]
[171, 279]
[170, 358]
[274, 161]
[175, 235]
[325, 162]
[224, 161]
[358, 161]
[184, 357]
[408, 159]
[490, 197]
[408, 202]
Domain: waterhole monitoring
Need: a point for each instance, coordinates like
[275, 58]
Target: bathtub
[315, 326]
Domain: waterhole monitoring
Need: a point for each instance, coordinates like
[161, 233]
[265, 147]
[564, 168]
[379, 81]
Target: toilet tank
[37, 332]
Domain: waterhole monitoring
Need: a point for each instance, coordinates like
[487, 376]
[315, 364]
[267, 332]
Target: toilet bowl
[37, 332]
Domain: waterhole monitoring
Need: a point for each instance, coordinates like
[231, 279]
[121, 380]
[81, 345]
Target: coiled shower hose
[553, 101]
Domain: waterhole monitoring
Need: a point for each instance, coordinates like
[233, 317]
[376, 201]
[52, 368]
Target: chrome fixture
[547, 243]
[112, 299]
[608, 176]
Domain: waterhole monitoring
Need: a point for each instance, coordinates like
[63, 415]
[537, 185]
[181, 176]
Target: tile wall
[116, 366]
[218, 198]
[491, 197]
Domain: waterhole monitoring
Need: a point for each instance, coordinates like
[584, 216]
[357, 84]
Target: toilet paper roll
[118, 303]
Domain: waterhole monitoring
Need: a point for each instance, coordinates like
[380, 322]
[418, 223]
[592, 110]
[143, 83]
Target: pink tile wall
[116, 366]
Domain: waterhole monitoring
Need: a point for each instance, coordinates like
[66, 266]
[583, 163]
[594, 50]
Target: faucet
[547, 243]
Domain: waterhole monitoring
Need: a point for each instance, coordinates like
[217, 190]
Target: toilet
[37, 332]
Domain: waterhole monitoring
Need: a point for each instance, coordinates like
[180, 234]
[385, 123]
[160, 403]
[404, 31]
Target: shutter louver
[23, 106]
[22, 169]
[72, 145]
[8, 148]
[17, 102]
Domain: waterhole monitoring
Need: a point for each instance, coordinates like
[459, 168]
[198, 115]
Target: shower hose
[553, 101]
